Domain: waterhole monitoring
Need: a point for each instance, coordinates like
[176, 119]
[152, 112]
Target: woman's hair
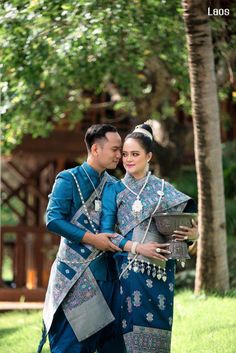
[145, 140]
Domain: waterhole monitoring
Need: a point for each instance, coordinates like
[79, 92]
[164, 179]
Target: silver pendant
[137, 206]
[148, 269]
[164, 277]
[98, 205]
[142, 269]
[136, 266]
[159, 273]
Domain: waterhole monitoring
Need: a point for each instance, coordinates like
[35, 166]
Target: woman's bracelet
[133, 247]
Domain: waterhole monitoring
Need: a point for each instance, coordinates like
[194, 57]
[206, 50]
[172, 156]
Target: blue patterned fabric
[64, 201]
[117, 202]
[73, 284]
[147, 302]
[62, 338]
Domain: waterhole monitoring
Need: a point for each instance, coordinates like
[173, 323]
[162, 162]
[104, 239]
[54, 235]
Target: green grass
[204, 324]
[20, 332]
[201, 325]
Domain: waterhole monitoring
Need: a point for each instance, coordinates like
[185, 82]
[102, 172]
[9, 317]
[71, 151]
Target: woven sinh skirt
[147, 309]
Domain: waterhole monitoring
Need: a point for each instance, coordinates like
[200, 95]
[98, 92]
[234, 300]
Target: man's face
[109, 151]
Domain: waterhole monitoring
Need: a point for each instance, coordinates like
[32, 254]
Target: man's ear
[94, 150]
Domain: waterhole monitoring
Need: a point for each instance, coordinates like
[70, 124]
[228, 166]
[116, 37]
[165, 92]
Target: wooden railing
[32, 250]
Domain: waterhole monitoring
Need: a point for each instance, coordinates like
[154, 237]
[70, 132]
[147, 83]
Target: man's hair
[97, 132]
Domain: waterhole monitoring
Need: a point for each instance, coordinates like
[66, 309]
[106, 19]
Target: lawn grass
[204, 324]
[20, 332]
[201, 325]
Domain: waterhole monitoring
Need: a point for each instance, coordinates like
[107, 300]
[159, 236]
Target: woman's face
[135, 158]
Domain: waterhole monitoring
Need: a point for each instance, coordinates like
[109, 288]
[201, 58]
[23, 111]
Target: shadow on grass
[211, 329]
[204, 295]
[229, 294]
[8, 331]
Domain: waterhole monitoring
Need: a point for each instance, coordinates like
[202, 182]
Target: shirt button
[82, 250]
[67, 271]
[85, 221]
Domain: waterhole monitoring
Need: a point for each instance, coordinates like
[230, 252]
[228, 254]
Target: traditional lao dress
[82, 307]
[147, 287]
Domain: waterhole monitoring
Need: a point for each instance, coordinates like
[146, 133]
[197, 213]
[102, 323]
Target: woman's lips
[130, 165]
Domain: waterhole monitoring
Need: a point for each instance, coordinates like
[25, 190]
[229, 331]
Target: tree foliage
[55, 51]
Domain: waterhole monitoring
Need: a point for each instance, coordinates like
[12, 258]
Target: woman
[146, 274]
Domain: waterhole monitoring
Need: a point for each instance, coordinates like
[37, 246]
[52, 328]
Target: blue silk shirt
[64, 201]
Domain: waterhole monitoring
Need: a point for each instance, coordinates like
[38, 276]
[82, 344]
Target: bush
[230, 209]
[229, 167]
[231, 245]
[186, 182]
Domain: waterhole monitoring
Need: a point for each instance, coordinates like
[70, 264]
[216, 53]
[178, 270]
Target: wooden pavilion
[27, 179]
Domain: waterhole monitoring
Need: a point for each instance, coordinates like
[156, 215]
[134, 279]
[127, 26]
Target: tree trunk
[212, 265]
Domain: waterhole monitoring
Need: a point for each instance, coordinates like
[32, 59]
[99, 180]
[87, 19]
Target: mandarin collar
[92, 172]
[130, 178]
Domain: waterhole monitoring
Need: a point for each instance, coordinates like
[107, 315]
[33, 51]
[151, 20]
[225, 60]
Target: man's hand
[101, 241]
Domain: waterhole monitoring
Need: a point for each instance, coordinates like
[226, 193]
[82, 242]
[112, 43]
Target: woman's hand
[186, 233]
[153, 250]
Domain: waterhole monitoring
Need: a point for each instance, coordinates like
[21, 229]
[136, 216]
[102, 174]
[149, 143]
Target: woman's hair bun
[146, 127]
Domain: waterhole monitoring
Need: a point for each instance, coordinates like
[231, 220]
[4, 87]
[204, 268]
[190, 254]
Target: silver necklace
[90, 221]
[129, 266]
[98, 203]
[137, 206]
[84, 204]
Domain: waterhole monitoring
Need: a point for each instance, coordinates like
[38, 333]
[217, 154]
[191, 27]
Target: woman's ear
[149, 156]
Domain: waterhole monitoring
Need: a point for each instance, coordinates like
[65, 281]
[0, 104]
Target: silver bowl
[166, 224]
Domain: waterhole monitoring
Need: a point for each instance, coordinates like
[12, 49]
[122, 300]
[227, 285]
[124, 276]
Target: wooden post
[19, 263]
[1, 259]
[31, 273]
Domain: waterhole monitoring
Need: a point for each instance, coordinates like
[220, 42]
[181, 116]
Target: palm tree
[212, 264]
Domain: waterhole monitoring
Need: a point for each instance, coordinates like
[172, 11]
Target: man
[82, 305]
